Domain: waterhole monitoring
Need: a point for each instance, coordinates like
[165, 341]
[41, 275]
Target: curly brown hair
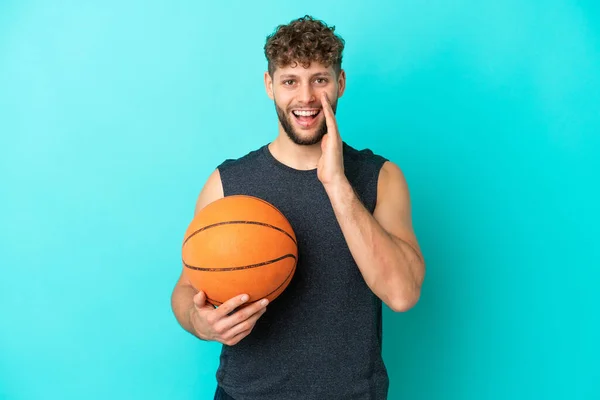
[302, 41]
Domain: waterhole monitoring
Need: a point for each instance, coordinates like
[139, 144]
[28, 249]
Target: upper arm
[211, 191]
[393, 208]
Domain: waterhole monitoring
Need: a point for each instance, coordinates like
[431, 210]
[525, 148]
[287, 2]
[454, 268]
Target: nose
[306, 94]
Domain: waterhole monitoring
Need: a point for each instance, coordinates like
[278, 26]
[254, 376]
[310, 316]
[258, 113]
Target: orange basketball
[240, 244]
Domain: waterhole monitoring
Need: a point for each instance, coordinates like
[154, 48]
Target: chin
[304, 138]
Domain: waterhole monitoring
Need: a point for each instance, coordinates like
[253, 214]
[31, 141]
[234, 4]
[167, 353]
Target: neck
[294, 155]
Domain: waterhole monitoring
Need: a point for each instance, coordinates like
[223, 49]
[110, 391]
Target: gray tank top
[322, 337]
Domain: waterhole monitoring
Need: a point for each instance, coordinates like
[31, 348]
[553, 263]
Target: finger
[237, 338]
[200, 299]
[324, 140]
[244, 326]
[329, 116]
[241, 316]
[224, 309]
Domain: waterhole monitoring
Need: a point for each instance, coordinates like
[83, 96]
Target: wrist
[338, 189]
[191, 314]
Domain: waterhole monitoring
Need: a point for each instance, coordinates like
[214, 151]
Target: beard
[288, 127]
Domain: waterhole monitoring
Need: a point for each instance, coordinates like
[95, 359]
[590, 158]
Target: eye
[288, 82]
[321, 80]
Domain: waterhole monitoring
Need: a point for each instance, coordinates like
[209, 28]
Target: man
[350, 210]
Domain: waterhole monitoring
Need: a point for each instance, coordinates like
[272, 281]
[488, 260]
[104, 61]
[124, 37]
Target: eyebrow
[288, 76]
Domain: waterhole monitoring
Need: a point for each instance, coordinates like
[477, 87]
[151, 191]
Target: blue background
[113, 113]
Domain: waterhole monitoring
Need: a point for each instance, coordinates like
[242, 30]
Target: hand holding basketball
[217, 325]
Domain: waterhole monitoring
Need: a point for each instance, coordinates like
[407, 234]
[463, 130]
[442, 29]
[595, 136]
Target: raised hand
[330, 167]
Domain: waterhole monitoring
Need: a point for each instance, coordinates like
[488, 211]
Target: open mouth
[306, 118]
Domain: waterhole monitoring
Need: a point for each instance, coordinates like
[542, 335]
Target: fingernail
[264, 302]
[245, 297]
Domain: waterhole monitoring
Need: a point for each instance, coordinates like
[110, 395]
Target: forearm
[182, 304]
[391, 267]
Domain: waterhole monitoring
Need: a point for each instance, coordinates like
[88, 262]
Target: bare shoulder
[211, 191]
[392, 185]
[393, 209]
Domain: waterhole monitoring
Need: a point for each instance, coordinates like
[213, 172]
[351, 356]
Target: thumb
[324, 141]
[200, 299]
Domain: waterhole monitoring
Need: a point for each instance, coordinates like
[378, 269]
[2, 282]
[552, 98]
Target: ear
[341, 83]
[269, 85]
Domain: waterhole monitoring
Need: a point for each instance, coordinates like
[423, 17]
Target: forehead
[296, 69]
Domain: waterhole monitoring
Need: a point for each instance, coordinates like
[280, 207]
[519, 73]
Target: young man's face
[296, 92]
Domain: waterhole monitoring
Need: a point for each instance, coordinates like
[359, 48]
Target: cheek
[281, 106]
[282, 102]
[331, 90]
[332, 94]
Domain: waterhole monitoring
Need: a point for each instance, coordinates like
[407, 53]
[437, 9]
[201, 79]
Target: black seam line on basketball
[240, 267]
[239, 222]
[287, 279]
[213, 301]
[272, 206]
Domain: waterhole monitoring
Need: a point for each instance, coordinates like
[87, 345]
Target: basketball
[239, 244]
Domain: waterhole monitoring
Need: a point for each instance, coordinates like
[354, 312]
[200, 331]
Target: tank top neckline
[271, 158]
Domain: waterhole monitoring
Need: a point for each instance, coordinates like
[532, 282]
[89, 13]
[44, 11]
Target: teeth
[305, 113]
